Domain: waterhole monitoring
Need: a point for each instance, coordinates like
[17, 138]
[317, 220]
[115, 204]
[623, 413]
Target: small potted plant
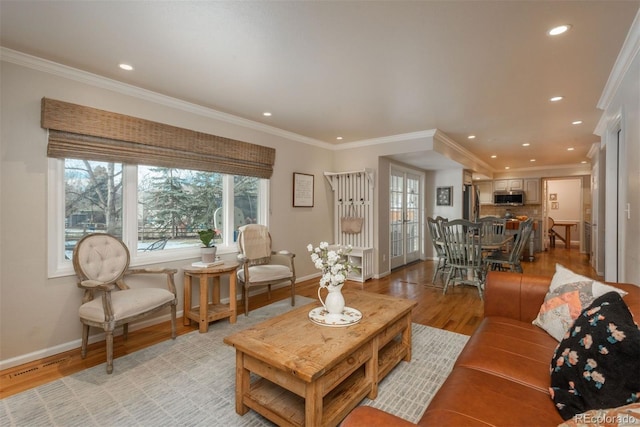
[208, 250]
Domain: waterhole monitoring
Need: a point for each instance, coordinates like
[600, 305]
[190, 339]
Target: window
[156, 211]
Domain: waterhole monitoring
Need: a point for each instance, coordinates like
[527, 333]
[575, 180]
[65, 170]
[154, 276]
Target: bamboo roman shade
[80, 132]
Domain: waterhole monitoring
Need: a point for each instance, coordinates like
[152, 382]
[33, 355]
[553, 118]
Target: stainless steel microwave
[508, 198]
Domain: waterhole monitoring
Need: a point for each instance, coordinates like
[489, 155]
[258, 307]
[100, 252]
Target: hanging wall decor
[302, 190]
[444, 196]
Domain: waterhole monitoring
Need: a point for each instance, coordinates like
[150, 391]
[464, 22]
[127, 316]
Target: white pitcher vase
[334, 302]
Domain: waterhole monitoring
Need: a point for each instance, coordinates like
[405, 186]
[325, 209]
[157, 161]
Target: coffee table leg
[371, 368]
[406, 339]
[313, 404]
[242, 383]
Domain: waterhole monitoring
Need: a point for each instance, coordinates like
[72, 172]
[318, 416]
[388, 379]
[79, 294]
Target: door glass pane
[93, 200]
[413, 215]
[396, 217]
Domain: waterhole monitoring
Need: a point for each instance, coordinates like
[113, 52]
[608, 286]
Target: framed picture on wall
[554, 205]
[553, 196]
[302, 190]
[444, 196]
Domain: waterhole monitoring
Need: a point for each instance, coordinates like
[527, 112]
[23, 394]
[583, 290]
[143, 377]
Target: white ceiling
[360, 70]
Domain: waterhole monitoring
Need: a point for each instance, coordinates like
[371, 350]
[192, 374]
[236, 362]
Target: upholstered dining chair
[101, 262]
[260, 265]
[464, 253]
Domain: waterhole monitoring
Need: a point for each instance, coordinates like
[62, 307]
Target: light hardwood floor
[460, 310]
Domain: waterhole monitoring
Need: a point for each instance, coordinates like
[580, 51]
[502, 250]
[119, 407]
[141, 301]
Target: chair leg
[245, 297]
[293, 294]
[109, 339]
[85, 341]
[173, 321]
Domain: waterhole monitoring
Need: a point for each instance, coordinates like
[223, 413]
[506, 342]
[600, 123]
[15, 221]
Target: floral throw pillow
[597, 364]
[569, 293]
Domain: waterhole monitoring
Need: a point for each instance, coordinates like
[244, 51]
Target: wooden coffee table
[314, 375]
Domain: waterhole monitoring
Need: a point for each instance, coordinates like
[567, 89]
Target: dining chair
[492, 225]
[260, 266]
[101, 262]
[438, 244]
[464, 253]
[498, 259]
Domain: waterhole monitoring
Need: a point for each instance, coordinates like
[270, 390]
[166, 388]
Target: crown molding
[386, 139]
[50, 67]
[630, 49]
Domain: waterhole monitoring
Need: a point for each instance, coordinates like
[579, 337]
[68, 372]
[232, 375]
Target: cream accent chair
[101, 262]
[260, 266]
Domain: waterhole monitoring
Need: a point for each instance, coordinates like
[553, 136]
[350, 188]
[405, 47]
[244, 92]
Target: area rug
[190, 381]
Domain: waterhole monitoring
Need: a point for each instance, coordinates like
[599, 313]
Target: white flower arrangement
[334, 263]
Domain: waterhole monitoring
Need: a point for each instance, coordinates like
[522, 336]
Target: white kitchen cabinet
[507, 185]
[532, 191]
[485, 190]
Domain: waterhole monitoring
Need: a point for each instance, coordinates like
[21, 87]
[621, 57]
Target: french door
[405, 212]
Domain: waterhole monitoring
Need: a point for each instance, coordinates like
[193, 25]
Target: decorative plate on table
[349, 316]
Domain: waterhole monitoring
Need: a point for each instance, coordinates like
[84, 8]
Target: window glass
[173, 204]
[245, 201]
[156, 211]
[93, 200]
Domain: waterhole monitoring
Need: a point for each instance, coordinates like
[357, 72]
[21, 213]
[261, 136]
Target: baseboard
[75, 344]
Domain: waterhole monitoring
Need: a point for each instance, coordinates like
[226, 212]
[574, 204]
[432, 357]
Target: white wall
[621, 104]
[38, 316]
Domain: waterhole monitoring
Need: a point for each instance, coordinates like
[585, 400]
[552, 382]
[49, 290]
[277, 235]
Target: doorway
[405, 216]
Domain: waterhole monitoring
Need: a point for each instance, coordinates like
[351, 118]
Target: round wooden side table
[209, 310]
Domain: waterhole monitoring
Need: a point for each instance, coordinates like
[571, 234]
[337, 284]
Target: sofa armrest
[366, 416]
[514, 295]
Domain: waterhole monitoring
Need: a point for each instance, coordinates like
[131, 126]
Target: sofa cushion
[597, 364]
[510, 349]
[569, 293]
[470, 397]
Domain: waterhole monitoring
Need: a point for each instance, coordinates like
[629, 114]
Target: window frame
[58, 266]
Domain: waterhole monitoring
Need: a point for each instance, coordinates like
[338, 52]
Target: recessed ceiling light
[507, 167]
[494, 156]
[584, 161]
[266, 114]
[471, 137]
[126, 67]
[560, 29]
[556, 98]
[338, 137]
[532, 160]
[570, 149]
[526, 144]
[577, 122]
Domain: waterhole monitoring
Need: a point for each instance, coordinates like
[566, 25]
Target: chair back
[462, 243]
[254, 242]
[436, 238]
[524, 233]
[492, 225]
[101, 257]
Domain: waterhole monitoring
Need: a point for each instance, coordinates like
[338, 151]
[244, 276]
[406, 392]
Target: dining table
[567, 231]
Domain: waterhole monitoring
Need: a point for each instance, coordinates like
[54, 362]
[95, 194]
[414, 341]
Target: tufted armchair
[260, 266]
[101, 262]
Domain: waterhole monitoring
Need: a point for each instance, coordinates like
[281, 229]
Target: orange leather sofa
[501, 378]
